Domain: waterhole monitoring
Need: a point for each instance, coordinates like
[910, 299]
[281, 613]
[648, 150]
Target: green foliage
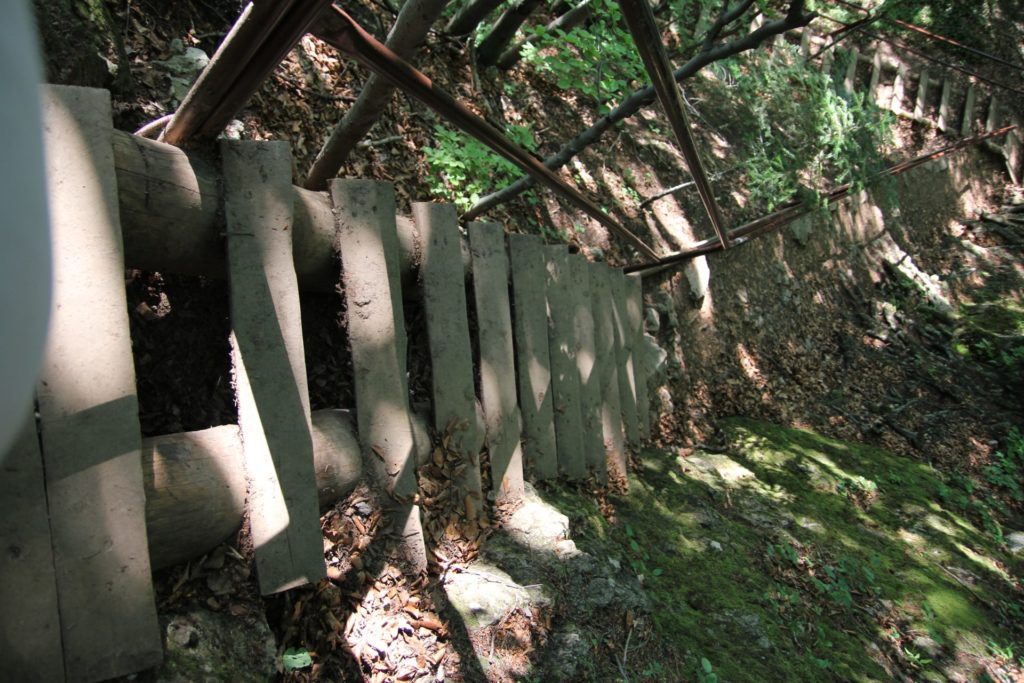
[463, 169]
[296, 658]
[1007, 468]
[706, 672]
[803, 134]
[599, 59]
[969, 22]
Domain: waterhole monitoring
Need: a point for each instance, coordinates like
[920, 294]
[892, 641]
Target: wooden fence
[89, 509]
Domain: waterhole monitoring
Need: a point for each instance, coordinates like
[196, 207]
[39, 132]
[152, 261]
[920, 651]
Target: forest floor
[834, 491]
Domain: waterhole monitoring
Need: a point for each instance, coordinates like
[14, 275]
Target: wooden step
[88, 409]
[451, 355]
[586, 361]
[565, 375]
[607, 370]
[624, 354]
[635, 311]
[497, 361]
[533, 362]
[29, 622]
[367, 244]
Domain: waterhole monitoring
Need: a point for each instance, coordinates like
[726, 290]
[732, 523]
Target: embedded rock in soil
[536, 524]
[482, 594]
[201, 645]
[1015, 541]
[725, 467]
[566, 650]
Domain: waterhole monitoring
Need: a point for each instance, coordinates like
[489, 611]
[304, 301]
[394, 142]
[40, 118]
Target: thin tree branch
[642, 98]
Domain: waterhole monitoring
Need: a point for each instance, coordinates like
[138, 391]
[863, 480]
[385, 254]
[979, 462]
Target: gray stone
[536, 524]
[624, 592]
[715, 545]
[566, 651]
[482, 594]
[213, 646]
[1015, 541]
[725, 467]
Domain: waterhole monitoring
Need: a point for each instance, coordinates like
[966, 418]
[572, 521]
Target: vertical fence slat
[444, 294]
[623, 352]
[270, 366]
[29, 621]
[945, 116]
[533, 361]
[565, 376]
[850, 78]
[635, 307]
[967, 122]
[89, 411]
[898, 88]
[367, 243]
[586, 362]
[922, 96]
[607, 367]
[497, 363]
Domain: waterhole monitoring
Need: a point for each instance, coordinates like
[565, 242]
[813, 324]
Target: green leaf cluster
[599, 60]
[802, 132]
[463, 169]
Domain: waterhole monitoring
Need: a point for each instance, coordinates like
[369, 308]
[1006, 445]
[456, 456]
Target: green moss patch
[791, 556]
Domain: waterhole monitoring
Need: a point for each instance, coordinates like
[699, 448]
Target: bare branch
[642, 98]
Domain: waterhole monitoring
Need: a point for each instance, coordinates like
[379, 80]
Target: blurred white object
[25, 255]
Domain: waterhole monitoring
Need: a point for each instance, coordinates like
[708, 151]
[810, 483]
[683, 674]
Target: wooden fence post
[497, 362]
[533, 361]
[270, 366]
[88, 408]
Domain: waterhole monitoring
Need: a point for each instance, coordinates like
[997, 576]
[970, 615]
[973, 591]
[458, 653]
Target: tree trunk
[411, 26]
[503, 31]
[471, 14]
[642, 98]
[567, 22]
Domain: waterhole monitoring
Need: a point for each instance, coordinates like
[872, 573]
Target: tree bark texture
[503, 31]
[566, 22]
[470, 16]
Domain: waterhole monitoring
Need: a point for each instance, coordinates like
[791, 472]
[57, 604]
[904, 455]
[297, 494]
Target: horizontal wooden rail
[172, 217]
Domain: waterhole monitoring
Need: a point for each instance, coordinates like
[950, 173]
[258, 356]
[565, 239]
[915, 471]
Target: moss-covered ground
[788, 556]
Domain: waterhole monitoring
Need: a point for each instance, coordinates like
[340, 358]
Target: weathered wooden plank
[497, 360]
[367, 244]
[992, 121]
[635, 308]
[444, 295]
[88, 407]
[586, 361]
[921, 103]
[850, 77]
[876, 75]
[945, 115]
[533, 362]
[805, 43]
[607, 369]
[29, 621]
[565, 375]
[624, 354]
[967, 122]
[270, 366]
[899, 88]
[827, 61]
